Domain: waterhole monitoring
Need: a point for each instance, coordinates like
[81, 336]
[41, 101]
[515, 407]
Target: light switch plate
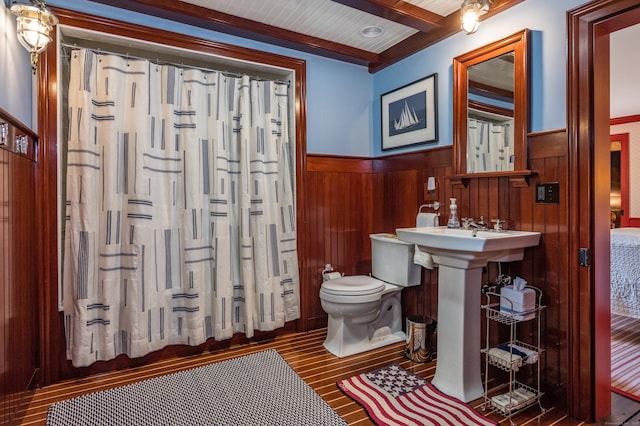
[548, 193]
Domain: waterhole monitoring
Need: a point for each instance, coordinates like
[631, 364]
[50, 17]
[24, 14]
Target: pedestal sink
[461, 254]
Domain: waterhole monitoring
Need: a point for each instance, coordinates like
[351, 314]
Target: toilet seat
[356, 288]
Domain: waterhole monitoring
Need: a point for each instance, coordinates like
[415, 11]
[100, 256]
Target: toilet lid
[356, 284]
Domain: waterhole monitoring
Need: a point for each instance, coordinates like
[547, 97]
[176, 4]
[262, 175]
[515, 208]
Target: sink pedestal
[461, 254]
[458, 367]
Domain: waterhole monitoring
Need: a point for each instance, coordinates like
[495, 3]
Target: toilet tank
[392, 260]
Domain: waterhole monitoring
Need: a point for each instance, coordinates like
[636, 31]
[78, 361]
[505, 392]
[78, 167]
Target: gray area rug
[256, 389]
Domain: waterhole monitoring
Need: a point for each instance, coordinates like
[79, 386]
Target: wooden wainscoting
[349, 198]
[18, 279]
[338, 219]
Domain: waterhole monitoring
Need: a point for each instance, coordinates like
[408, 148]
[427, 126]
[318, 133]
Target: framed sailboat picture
[410, 114]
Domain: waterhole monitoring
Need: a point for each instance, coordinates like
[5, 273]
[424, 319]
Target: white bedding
[625, 271]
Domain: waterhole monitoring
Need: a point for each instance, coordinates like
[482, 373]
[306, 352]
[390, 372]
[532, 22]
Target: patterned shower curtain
[489, 146]
[180, 209]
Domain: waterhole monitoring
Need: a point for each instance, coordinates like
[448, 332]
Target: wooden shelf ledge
[517, 178]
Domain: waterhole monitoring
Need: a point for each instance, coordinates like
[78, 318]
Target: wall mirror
[490, 102]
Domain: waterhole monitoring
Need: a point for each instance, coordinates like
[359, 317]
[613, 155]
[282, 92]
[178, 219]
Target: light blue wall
[338, 93]
[15, 70]
[343, 100]
[546, 19]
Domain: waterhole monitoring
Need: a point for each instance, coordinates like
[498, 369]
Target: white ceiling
[330, 28]
[327, 19]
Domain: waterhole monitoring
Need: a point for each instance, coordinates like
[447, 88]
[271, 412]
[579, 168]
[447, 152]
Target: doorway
[589, 27]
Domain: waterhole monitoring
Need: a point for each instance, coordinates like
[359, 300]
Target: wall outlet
[548, 193]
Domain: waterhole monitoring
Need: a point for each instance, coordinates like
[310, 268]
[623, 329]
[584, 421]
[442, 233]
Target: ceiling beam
[435, 27]
[398, 11]
[190, 14]
[450, 25]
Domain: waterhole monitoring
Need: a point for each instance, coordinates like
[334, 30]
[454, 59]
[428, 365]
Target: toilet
[364, 311]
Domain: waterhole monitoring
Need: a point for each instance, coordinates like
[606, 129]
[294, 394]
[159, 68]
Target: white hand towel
[427, 220]
[422, 258]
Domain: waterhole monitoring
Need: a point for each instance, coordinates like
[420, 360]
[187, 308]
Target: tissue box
[520, 303]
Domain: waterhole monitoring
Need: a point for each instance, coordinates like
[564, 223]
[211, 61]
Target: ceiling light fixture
[470, 11]
[34, 23]
[371, 31]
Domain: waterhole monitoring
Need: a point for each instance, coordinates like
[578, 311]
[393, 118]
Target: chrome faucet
[470, 223]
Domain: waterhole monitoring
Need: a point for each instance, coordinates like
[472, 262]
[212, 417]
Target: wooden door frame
[588, 29]
[630, 221]
[623, 139]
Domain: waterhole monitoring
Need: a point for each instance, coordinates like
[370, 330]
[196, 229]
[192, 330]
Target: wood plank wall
[349, 198]
[18, 277]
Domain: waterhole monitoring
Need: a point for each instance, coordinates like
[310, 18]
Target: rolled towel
[427, 220]
[422, 258]
[528, 356]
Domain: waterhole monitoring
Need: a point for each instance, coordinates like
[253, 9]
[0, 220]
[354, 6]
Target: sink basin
[494, 246]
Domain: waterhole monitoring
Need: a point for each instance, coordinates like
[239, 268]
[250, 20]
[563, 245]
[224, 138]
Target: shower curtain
[489, 146]
[180, 209]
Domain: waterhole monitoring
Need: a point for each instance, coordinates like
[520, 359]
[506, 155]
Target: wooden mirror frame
[519, 44]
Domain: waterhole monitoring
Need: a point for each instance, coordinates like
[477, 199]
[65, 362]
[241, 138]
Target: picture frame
[409, 114]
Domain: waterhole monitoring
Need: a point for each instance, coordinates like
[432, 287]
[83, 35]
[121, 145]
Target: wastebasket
[420, 334]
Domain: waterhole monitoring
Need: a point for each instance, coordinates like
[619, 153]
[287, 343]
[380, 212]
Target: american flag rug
[393, 396]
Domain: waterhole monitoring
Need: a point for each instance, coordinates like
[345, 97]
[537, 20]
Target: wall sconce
[34, 23]
[470, 11]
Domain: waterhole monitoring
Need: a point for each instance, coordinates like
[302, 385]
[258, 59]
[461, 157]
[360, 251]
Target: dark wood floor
[303, 352]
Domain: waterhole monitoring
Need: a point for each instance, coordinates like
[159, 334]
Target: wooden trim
[519, 44]
[491, 92]
[52, 353]
[433, 27]
[625, 120]
[18, 129]
[588, 121]
[4, 114]
[125, 29]
[326, 163]
[202, 17]
[401, 12]
[517, 178]
[625, 220]
[551, 142]
[450, 25]
[51, 325]
[623, 139]
[492, 109]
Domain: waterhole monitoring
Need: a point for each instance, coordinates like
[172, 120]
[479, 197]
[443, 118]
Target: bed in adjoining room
[625, 272]
[625, 312]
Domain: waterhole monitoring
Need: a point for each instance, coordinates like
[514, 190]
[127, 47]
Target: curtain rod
[159, 62]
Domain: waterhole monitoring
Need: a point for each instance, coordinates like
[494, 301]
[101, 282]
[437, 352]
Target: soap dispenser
[453, 215]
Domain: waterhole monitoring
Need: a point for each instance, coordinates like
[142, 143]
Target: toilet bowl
[365, 311]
